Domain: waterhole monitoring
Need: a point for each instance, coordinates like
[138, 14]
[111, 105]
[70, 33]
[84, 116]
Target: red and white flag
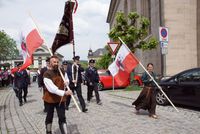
[30, 41]
[31, 36]
[123, 65]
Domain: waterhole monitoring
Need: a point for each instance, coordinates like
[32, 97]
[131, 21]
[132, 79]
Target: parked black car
[182, 88]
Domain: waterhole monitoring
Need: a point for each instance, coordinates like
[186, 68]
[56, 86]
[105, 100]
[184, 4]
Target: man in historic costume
[75, 80]
[52, 96]
[92, 78]
[20, 82]
[146, 99]
[40, 79]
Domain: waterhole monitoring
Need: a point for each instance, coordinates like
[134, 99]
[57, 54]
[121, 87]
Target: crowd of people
[57, 96]
[58, 83]
[5, 77]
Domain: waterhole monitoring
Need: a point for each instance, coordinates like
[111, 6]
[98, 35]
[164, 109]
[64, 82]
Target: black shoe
[99, 103]
[20, 104]
[85, 110]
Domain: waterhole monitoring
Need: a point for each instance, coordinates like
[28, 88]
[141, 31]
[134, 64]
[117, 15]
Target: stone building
[97, 54]
[181, 18]
[39, 58]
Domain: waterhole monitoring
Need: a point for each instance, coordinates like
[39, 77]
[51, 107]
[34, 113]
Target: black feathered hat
[76, 58]
[91, 61]
[64, 62]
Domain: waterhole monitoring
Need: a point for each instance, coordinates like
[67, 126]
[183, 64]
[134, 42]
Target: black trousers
[92, 88]
[79, 95]
[60, 112]
[20, 90]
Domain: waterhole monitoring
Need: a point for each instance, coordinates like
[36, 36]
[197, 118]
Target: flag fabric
[28, 61]
[65, 33]
[31, 37]
[123, 65]
[30, 41]
[13, 70]
[76, 6]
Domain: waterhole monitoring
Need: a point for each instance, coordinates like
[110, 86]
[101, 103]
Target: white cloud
[89, 22]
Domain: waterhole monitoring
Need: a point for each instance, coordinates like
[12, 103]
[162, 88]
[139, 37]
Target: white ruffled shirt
[52, 88]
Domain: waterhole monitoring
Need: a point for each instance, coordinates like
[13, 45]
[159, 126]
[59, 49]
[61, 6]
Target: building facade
[97, 54]
[39, 58]
[182, 19]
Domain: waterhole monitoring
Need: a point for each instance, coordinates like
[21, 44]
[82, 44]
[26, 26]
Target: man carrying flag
[30, 41]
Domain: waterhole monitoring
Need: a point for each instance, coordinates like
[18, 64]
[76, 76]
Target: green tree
[8, 47]
[104, 62]
[133, 29]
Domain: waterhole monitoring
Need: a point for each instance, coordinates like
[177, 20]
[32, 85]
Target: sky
[90, 27]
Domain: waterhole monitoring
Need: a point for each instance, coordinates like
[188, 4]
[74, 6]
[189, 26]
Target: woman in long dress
[147, 100]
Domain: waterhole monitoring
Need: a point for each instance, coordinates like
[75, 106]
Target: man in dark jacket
[40, 78]
[92, 78]
[21, 81]
[75, 80]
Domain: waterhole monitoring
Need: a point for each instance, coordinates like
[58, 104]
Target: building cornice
[110, 11]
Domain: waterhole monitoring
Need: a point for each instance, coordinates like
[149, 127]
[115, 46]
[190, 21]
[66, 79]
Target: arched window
[39, 50]
[39, 61]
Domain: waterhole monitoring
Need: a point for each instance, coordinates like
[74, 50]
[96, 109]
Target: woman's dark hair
[149, 64]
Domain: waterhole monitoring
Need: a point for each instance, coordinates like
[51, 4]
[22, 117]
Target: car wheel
[160, 98]
[100, 86]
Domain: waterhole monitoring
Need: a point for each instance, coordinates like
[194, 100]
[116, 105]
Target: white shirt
[52, 88]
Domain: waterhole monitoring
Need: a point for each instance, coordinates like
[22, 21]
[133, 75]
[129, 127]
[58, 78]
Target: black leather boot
[63, 128]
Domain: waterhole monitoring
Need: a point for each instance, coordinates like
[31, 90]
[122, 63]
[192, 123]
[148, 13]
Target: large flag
[30, 41]
[65, 33]
[31, 37]
[123, 65]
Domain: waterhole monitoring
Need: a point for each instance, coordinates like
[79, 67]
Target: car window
[191, 76]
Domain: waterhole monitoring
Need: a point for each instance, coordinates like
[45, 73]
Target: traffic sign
[113, 47]
[163, 34]
[164, 50]
[163, 44]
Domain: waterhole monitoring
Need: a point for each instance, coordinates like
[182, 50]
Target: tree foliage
[8, 47]
[104, 62]
[133, 29]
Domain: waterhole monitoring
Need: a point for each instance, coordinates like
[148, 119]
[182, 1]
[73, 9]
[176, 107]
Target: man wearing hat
[65, 65]
[92, 78]
[40, 79]
[75, 80]
[21, 80]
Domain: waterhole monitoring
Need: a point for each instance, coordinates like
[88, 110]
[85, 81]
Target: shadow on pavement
[72, 129]
[2, 107]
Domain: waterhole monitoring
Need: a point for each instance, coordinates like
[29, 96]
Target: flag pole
[58, 67]
[73, 42]
[150, 76]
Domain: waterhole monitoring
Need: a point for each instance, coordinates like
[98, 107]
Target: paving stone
[115, 116]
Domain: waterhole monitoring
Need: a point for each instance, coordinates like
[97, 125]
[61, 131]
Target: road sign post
[113, 46]
[164, 39]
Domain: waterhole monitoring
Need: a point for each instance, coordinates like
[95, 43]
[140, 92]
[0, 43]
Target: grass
[133, 88]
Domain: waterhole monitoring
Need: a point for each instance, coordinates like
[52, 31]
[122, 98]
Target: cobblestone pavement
[115, 116]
